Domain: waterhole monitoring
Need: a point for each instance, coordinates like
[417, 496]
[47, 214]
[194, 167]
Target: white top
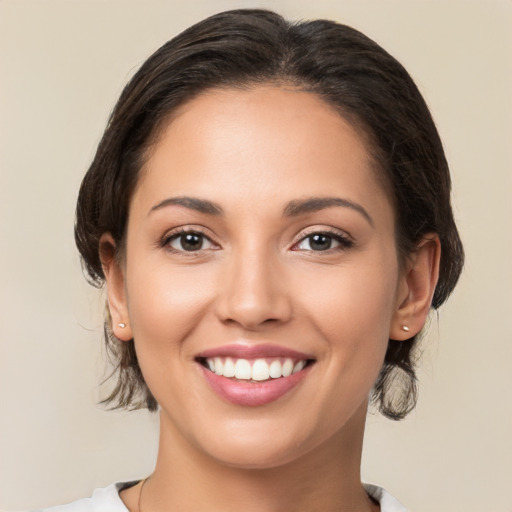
[107, 500]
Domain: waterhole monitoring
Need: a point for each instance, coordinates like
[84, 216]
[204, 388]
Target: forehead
[267, 141]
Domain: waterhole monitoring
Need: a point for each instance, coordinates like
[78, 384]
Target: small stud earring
[405, 328]
[121, 325]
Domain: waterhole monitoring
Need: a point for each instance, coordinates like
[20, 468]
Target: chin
[260, 445]
[258, 457]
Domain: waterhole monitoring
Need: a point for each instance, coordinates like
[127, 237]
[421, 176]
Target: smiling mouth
[254, 370]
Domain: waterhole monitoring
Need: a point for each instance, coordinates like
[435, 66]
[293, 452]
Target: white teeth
[260, 370]
[298, 367]
[229, 368]
[243, 369]
[287, 367]
[257, 370]
[218, 365]
[276, 369]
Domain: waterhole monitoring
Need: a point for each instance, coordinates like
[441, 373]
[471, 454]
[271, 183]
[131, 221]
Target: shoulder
[105, 499]
[387, 502]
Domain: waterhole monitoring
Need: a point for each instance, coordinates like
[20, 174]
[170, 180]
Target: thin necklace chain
[140, 492]
[148, 477]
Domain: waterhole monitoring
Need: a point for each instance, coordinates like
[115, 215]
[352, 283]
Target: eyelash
[175, 235]
[344, 241]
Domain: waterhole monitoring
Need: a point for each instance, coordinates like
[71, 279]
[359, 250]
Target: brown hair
[356, 76]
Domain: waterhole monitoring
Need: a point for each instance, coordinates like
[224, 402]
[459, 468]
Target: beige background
[62, 65]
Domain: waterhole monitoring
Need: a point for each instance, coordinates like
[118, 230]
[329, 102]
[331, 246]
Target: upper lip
[244, 351]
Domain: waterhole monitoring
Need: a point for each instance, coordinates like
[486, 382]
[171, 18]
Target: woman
[269, 209]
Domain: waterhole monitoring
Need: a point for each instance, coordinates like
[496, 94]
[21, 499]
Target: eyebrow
[315, 204]
[200, 205]
[292, 209]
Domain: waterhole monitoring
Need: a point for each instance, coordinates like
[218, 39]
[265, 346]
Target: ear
[116, 291]
[416, 289]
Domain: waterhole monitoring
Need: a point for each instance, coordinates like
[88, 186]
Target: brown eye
[318, 242]
[189, 241]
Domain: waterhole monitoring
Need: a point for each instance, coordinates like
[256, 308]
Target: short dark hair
[244, 48]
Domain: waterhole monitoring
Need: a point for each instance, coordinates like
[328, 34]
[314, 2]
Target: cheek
[163, 303]
[353, 311]
[165, 307]
[351, 303]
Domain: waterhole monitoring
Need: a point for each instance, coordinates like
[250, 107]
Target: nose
[253, 291]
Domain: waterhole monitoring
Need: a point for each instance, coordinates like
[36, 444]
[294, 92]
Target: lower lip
[252, 394]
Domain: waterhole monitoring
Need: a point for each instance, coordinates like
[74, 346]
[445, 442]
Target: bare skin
[258, 274]
[295, 486]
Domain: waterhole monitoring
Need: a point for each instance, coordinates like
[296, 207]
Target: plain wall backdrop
[62, 66]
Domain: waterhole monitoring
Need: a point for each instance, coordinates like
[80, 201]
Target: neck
[326, 478]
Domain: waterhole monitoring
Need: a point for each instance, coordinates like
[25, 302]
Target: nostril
[250, 320]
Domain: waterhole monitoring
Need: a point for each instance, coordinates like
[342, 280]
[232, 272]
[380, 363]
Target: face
[259, 243]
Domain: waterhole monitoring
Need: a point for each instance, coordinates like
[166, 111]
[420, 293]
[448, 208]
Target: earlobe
[115, 284]
[416, 289]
